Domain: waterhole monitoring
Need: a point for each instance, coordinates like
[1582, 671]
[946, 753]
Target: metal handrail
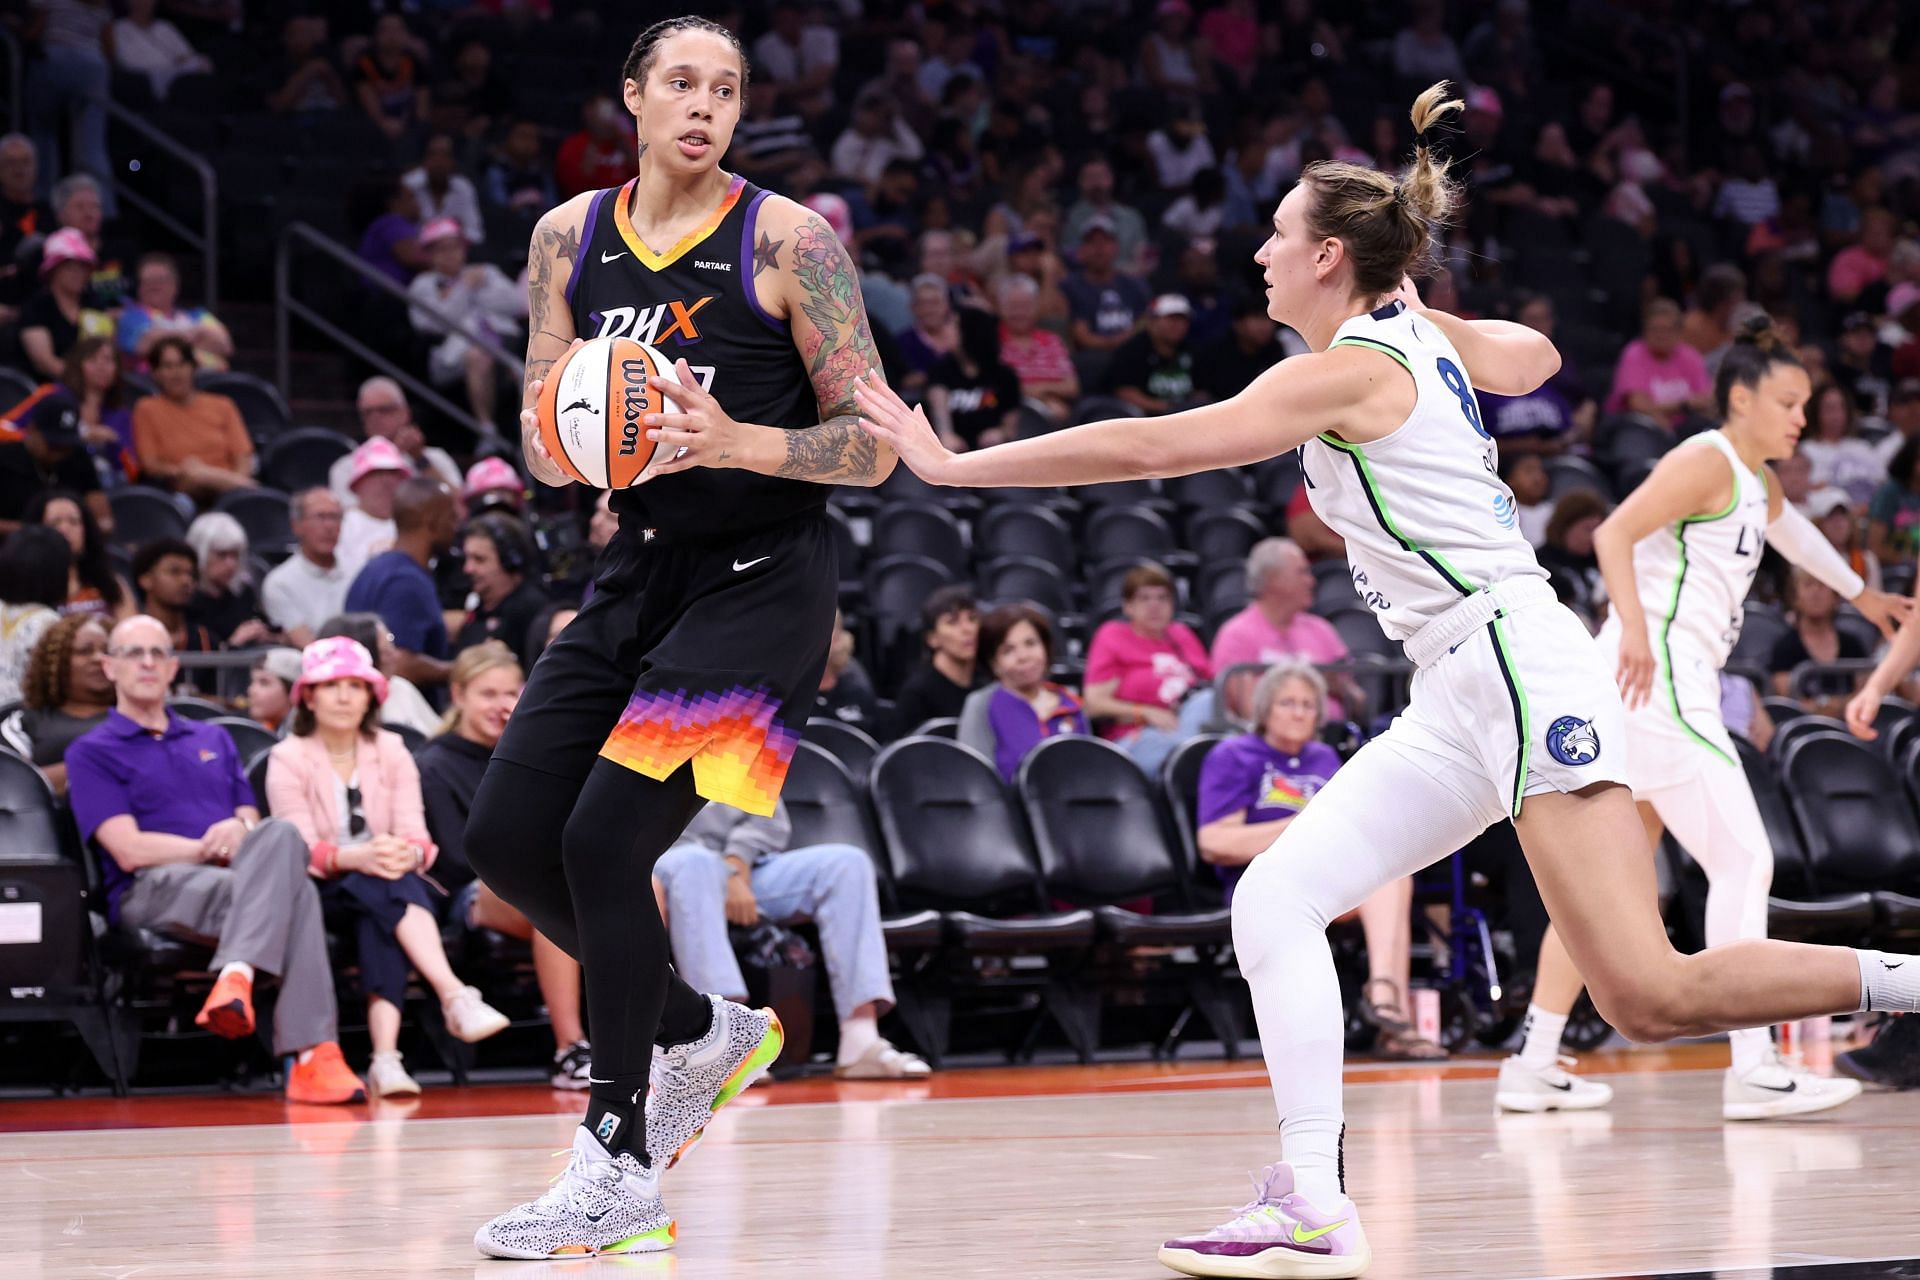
[286, 306]
[16, 80]
[207, 239]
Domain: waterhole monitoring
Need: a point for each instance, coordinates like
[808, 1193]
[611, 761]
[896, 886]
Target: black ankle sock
[687, 1017]
[614, 1109]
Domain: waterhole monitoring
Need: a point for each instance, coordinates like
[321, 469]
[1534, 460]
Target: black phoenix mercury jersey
[696, 302]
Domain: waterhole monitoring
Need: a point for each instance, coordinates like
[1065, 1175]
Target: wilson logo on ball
[593, 408]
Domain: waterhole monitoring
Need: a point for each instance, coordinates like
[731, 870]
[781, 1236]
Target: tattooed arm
[800, 271]
[829, 323]
[556, 241]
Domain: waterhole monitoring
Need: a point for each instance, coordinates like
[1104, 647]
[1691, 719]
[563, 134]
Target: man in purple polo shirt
[184, 852]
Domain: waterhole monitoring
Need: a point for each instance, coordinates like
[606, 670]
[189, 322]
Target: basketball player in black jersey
[688, 676]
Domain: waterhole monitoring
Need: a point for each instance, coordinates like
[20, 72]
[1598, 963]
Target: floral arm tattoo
[837, 345]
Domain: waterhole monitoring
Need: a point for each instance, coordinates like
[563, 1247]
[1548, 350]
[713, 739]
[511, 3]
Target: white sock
[1311, 1144]
[857, 1034]
[1889, 982]
[240, 967]
[1750, 1048]
[1540, 1039]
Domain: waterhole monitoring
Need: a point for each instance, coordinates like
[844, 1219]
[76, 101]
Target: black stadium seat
[262, 407]
[956, 845]
[1210, 490]
[1027, 578]
[250, 737]
[1020, 530]
[1102, 842]
[1227, 534]
[1861, 832]
[911, 528]
[1121, 532]
[257, 779]
[849, 744]
[265, 514]
[300, 458]
[197, 709]
[1796, 908]
[826, 806]
[142, 514]
[1180, 791]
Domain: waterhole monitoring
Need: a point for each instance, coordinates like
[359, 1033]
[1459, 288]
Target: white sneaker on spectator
[471, 1018]
[883, 1061]
[386, 1077]
[573, 1066]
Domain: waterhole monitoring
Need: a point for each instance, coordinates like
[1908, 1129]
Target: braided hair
[647, 46]
[49, 677]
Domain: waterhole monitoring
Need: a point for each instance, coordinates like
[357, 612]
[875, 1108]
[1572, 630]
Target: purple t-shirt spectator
[1246, 775]
[178, 784]
[376, 246]
[1018, 730]
[1543, 412]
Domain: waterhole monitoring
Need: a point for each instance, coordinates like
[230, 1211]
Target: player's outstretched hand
[1861, 709]
[1635, 675]
[1885, 611]
[701, 434]
[886, 417]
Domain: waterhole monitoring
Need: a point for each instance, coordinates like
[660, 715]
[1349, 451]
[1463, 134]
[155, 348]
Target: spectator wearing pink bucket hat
[376, 470]
[352, 790]
[56, 317]
[493, 483]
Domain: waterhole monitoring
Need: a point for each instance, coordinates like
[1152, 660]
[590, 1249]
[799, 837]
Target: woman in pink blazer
[352, 789]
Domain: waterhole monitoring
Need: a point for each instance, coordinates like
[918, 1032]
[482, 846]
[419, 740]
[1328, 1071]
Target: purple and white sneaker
[1277, 1237]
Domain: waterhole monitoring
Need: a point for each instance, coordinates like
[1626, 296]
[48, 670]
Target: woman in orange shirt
[192, 440]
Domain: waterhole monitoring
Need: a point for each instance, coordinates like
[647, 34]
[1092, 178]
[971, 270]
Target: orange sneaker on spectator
[324, 1078]
[229, 1008]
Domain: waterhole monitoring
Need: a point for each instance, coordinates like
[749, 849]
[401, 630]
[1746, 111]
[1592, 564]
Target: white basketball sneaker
[1554, 1088]
[600, 1203]
[689, 1082]
[1775, 1089]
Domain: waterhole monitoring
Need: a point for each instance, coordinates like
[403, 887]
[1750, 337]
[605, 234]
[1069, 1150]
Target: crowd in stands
[1053, 208]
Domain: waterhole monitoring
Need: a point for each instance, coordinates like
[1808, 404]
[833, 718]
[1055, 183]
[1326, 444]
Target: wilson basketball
[592, 411]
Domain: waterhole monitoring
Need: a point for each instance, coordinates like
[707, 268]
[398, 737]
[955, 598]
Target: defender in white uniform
[1514, 715]
[1679, 556]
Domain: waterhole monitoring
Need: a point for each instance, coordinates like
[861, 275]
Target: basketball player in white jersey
[1679, 555]
[1514, 713]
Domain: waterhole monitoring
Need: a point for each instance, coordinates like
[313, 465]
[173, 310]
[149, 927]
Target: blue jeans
[64, 89]
[830, 884]
[1150, 747]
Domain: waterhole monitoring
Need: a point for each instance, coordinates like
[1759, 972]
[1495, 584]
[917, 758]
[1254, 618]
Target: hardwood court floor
[1077, 1176]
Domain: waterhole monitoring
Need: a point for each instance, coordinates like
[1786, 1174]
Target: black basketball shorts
[707, 653]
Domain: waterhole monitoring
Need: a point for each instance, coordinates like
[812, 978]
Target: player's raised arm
[556, 242]
[1287, 405]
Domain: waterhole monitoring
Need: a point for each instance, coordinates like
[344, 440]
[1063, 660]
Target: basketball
[592, 408]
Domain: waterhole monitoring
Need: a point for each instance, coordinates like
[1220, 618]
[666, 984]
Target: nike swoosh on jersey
[606, 257]
[742, 568]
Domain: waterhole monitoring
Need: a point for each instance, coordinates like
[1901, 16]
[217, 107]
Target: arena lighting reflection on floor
[1883, 1269]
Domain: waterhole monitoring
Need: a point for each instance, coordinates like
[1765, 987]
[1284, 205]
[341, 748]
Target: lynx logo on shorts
[1573, 741]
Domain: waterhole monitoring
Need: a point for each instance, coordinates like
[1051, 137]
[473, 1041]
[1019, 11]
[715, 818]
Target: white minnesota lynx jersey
[1426, 516]
[1694, 574]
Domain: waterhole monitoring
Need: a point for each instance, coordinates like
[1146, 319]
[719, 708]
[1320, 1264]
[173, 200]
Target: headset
[510, 541]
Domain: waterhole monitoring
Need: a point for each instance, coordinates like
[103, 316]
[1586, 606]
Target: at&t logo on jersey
[1504, 511]
[653, 325]
[1573, 741]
